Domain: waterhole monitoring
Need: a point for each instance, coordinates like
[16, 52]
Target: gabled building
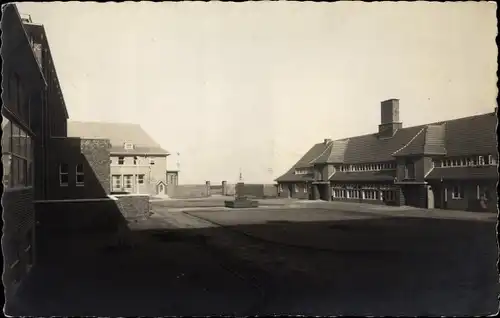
[137, 163]
[450, 164]
[40, 163]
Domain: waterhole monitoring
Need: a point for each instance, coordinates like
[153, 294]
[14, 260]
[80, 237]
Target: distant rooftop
[25, 18]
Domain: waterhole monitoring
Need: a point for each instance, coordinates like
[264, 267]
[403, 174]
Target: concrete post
[207, 185]
[224, 187]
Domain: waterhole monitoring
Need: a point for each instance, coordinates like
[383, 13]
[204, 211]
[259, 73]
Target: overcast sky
[256, 84]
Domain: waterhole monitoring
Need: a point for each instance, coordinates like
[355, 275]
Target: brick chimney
[389, 118]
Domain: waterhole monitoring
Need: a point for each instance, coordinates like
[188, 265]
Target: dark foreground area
[375, 265]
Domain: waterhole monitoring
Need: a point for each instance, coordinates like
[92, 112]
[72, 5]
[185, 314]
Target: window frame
[127, 177]
[117, 177]
[61, 173]
[459, 195]
[121, 160]
[140, 179]
[78, 174]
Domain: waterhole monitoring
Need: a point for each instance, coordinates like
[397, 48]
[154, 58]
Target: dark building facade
[449, 165]
[39, 162]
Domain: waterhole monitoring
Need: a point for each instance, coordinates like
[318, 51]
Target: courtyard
[285, 257]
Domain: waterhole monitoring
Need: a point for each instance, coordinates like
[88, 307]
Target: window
[457, 193]
[17, 156]
[305, 188]
[80, 176]
[63, 174]
[141, 179]
[280, 187]
[120, 160]
[481, 161]
[128, 146]
[409, 171]
[135, 160]
[128, 181]
[117, 181]
[483, 193]
[295, 188]
[492, 160]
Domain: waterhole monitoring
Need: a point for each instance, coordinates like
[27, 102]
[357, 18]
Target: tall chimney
[389, 118]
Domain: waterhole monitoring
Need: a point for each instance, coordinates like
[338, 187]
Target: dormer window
[128, 146]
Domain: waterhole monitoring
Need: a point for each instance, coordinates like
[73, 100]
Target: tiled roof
[435, 139]
[473, 135]
[118, 134]
[334, 152]
[384, 175]
[371, 148]
[463, 173]
[304, 162]
[414, 146]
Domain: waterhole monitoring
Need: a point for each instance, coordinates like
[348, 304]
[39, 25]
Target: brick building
[138, 163]
[450, 164]
[40, 163]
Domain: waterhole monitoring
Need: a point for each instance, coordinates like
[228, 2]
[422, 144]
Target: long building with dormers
[447, 165]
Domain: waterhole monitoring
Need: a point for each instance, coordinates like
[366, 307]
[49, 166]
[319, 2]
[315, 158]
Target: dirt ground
[307, 260]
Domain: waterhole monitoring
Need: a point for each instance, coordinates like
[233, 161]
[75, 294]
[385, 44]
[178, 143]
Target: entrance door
[161, 188]
[290, 190]
[324, 192]
[430, 197]
[438, 195]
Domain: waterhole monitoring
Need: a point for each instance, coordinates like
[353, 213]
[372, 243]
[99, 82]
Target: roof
[16, 43]
[39, 30]
[473, 135]
[304, 162]
[463, 173]
[333, 153]
[118, 134]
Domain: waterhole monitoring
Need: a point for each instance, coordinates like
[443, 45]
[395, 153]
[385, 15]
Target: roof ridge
[409, 142]
[417, 126]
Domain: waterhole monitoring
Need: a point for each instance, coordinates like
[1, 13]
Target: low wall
[259, 191]
[106, 214]
[188, 191]
[229, 189]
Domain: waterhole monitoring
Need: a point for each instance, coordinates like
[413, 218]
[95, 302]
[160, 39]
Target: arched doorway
[160, 188]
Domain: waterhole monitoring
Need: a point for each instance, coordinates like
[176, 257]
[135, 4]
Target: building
[40, 164]
[450, 165]
[172, 178]
[138, 163]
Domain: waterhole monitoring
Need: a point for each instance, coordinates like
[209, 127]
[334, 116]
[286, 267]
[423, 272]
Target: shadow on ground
[377, 266]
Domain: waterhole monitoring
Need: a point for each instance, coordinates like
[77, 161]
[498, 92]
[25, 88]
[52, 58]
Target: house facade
[137, 163]
[449, 165]
[40, 163]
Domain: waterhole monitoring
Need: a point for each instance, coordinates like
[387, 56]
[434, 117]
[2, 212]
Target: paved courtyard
[286, 258]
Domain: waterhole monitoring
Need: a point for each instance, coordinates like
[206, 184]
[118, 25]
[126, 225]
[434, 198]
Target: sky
[252, 86]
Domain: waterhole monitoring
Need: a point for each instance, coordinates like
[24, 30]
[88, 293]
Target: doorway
[290, 190]
[324, 192]
[161, 188]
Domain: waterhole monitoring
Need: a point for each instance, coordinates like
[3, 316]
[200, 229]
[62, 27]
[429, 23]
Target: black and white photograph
[254, 158]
